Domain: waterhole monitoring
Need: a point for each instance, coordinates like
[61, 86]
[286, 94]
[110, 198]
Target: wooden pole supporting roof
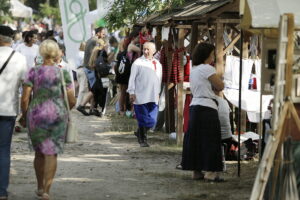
[180, 91]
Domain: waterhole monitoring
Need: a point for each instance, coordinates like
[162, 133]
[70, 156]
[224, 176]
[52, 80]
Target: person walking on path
[13, 67]
[143, 88]
[81, 76]
[46, 114]
[202, 142]
[95, 41]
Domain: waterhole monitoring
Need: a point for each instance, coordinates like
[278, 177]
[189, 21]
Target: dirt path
[107, 163]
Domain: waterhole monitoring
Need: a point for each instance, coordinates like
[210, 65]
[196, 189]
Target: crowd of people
[39, 65]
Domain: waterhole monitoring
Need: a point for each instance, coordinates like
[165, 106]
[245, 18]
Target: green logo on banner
[77, 17]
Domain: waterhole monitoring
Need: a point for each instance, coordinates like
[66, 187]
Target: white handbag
[71, 133]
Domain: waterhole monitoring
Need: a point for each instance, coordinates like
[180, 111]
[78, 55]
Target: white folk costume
[145, 84]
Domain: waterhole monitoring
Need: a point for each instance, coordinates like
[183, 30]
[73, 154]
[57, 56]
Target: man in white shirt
[144, 87]
[11, 77]
[48, 20]
[29, 49]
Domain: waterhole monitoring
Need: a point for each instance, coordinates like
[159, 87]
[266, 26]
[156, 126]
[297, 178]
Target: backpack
[101, 64]
[123, 64]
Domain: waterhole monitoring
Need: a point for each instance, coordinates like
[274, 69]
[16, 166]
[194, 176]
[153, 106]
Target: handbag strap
[64, 89]
[6, 62]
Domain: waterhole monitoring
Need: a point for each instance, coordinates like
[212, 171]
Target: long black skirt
[202, 141]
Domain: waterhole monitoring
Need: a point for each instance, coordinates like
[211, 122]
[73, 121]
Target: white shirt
[145, 80]
[79, 59]
[223, 112]
[29, 52]
[10, 81]
[201, 87]
[48, 21]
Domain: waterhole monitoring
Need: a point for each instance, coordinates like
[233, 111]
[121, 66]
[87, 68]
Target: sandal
[39, 193]
[45, 196]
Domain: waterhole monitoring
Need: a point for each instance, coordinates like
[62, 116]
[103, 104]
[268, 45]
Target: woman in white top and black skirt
[202, 142]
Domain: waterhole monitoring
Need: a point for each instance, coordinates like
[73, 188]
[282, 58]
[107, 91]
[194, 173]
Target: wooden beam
[234, 28]
[229, 21]
[184, 26]
[232, 43]
[245, 49]
[179, 135]
[268, 158]
[236, 49]
[295, 116]
[289, 55]
[219, 49]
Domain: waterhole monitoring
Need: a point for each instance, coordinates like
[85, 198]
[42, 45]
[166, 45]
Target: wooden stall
[207, 18]
[280, 55]
[193, 22]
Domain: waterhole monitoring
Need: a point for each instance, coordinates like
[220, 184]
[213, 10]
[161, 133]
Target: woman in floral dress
[46, 114]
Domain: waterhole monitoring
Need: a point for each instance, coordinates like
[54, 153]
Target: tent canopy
[266, 14]
[20, 10]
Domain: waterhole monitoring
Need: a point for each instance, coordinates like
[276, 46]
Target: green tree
[35, 4]
[124, 12]
[47, 10]
[93, 4]
[4, 7]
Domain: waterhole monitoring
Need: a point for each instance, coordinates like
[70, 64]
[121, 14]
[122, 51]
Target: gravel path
[107, 163]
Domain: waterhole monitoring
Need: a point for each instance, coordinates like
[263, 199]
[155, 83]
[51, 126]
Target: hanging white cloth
[250, 98]
[154, 33]
[232, 72]
[165, 33]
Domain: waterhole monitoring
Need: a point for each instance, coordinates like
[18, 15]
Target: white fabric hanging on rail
[165, 33]
[250, 98]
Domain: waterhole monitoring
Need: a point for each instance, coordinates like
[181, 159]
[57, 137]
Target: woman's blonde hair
[94, 56]
[49, 50]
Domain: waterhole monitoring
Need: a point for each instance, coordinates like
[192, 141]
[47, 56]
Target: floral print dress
[47, 114]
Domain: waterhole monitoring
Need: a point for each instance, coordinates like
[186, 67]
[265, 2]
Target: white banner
[73, 16]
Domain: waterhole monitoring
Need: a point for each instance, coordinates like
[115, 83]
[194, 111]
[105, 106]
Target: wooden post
[219, 49]
[169, 90]
[180, 91]
[290, 59]
[158, 41]
[195, 34]
[167, 120]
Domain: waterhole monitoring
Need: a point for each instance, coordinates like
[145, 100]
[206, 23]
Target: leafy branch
[4, 7]
[127, 12]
